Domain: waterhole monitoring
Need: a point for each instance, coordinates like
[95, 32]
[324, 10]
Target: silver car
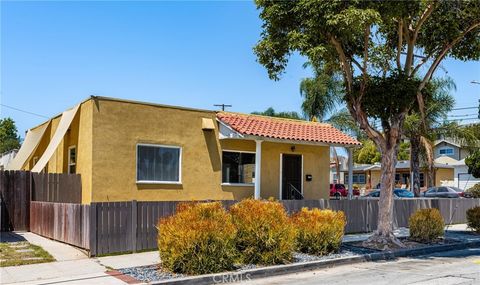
[444, 192]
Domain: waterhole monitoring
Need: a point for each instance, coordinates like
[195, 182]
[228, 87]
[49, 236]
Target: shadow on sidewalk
[11, 237]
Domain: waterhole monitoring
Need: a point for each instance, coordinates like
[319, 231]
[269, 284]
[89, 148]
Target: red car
[339, 190]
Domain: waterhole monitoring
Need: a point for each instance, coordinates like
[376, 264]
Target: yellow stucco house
[127, 150]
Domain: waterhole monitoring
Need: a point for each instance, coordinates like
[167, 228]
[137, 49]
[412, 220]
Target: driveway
[446, 268]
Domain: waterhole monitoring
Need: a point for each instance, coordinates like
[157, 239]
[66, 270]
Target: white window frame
[236, 184]
[157, 181]
[69, 163]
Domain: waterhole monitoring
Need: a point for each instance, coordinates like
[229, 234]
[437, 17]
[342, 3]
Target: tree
[438, 103]
[9, 138]
[375, 44]
[473, 163]
[369, 154]
[270, 112]
[321, 93]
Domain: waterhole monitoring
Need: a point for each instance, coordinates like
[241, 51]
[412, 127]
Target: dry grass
[21, 253]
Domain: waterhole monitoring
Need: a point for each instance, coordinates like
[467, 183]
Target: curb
[231, 277]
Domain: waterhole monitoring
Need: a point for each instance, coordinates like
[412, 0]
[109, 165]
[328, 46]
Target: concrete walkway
[59, 251]
[72, 266]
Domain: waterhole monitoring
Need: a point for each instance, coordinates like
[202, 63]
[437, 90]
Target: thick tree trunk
[430, 161]
[383, 238]
[415, 164]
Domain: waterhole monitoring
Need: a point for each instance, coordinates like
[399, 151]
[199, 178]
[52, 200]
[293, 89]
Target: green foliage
[265, 232]
[9, 138]
[319, 232]
[475, 190]
[367, 154]
[473, 218]
[426, 225]
[270, 112]
[403, 151]
[198, 239]
[473, 163]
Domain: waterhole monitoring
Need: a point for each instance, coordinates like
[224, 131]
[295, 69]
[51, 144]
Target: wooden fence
[56, 187]
[18, 188]
[14, 200]
[131, 226]
[65, 222]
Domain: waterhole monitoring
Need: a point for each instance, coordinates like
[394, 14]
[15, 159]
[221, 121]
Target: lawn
[21, 253]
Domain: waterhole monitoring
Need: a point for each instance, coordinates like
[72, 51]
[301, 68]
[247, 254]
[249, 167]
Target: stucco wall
[79, 135]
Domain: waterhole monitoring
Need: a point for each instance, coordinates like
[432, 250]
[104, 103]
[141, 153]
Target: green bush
[475, 190]
[473, 218]
[198, 239]
[426, 225]
[265, 234]
[319, 231]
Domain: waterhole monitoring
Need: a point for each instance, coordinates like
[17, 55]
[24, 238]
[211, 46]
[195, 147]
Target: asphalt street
[445, 268]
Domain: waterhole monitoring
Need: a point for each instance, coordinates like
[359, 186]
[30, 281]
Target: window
[72, 159]
[238, 167]
[442, 190]
[158, 164]
[422, 180]
[357, 178]
[446, 151]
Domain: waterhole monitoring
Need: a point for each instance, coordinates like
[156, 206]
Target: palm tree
[438, 104]
[270, 112]
[321, 96]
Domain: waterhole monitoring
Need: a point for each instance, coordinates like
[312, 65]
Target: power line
[465, 108]
[27, 112]
[466, 115]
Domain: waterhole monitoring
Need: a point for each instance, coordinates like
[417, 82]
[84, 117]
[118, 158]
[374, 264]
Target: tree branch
[344, 64]
[357, 64]
[400, 43]
[366, 41]
[433, 67]
[422, 62]
[428, 11]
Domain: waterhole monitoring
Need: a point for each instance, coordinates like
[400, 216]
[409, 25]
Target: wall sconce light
[292, 148]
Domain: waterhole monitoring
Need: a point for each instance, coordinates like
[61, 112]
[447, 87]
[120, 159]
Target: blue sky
[195, 54]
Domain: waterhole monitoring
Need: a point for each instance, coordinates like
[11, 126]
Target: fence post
[93, 229]
[134, 226]
[367, 220]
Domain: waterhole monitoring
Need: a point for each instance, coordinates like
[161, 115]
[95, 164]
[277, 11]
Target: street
[446, 268]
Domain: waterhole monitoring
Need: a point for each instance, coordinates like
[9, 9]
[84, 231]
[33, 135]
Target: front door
[291, 177]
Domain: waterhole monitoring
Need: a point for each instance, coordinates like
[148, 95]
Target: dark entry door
[292, 177]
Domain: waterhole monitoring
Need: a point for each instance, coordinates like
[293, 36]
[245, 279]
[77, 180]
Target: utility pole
[223, 106]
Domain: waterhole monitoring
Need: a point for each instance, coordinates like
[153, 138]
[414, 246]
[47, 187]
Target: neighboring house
[447, 147]
[461, 178]
[6, 157]
[368, 175]
[343, 164]
[128, 150]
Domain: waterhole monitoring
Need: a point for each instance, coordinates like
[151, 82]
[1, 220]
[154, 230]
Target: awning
[32, 139]
[65, 121]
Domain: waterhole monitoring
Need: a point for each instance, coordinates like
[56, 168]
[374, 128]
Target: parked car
[339, 190]
[397, 193]
[446, 192]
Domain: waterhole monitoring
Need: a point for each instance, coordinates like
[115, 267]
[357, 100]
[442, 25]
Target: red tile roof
[280, 128]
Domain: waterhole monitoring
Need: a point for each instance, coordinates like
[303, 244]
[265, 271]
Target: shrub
[198, 239]
[319, 231]
[473, 218]
[475, 190]
[265, 232]
[426, 225]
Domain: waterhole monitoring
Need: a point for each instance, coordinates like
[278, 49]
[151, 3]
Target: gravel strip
[155, 273]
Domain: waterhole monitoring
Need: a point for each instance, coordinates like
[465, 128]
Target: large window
[158, 164]
[357, 178]
[238, 167]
